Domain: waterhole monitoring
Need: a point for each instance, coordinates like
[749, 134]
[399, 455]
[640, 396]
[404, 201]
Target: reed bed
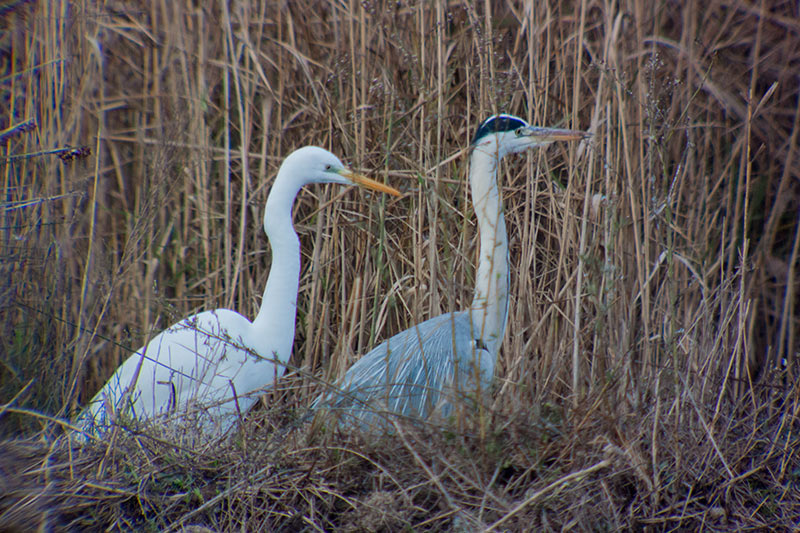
[649, 376]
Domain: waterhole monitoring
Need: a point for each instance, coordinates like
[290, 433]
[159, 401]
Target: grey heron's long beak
[548, 135]
[363, 181]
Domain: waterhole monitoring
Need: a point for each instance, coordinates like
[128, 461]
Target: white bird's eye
[328, 167]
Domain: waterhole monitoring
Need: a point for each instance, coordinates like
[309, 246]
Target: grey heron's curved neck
[489, 309]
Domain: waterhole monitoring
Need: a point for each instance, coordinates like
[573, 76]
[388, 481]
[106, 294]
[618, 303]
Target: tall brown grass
[649, 375]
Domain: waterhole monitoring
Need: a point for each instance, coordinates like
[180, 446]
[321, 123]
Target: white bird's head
[501, 135]
[312, 164]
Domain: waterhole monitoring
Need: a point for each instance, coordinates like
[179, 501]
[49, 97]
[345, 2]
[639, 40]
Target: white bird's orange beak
[363, 181]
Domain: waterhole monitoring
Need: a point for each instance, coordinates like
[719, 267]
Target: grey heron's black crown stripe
[497, 124]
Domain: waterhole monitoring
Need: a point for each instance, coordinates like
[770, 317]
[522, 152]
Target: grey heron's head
[312, 164]
[507, 134]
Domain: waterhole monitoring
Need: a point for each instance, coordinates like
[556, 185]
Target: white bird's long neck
[489, 310]
[276, 318]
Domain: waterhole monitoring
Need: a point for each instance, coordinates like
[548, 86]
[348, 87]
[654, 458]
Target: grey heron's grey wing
[408, 374]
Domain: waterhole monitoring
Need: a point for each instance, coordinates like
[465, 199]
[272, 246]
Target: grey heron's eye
[519, 132]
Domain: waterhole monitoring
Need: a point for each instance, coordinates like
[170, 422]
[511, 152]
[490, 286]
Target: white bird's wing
[192, 366]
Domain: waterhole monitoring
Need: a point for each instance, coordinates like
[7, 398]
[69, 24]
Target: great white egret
[209, 365]
[423, 369]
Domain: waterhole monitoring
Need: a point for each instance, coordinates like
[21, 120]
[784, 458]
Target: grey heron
[423, 369]
[211, 363]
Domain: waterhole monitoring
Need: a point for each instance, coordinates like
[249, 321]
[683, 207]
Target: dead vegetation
[649, 376]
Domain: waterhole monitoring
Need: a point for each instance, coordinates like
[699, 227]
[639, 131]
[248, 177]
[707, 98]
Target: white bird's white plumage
[426, 368]
[209, 366]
